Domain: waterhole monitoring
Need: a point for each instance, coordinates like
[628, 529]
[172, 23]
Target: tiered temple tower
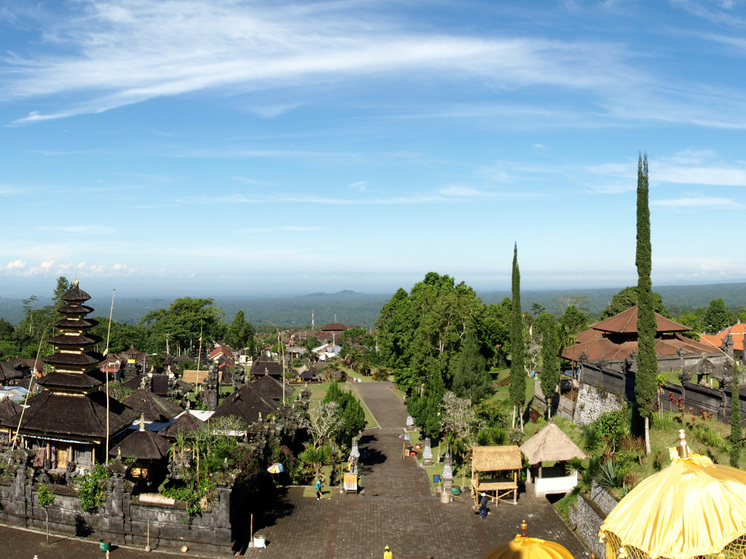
[67, 421]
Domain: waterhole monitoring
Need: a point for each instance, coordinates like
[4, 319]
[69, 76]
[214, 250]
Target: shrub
[91, 487]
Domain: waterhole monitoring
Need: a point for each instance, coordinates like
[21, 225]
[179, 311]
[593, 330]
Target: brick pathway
[395, 509]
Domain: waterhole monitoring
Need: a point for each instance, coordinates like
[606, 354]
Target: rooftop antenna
[106, 368]
[199, 354]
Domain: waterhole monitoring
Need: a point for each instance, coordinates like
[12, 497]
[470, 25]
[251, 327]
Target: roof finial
[524, 529]
[142, 422]
[682, 448]
[75, 282]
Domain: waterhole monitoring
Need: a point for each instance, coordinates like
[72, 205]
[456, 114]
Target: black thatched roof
[160, 385]
[245, 403]
[270, 388]
[266, 366]
[81, 417]
[143, 445]
[74, 381]
[75, 295]
[86, 359]
[69, 310]
[67, 323]
[154, 407]
[184, 424]
[10, 371]
[9, 409]
[75, 340]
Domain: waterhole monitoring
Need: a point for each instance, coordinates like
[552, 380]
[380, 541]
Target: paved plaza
[396, 508]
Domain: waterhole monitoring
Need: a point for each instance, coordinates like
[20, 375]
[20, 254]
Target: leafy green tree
[627, 298]
[471, 380]
[716, 317]
[240, 333]
[693, 319]
[426, 409]
[517, 387]
[573, 320]
[496, 333]
[647, 359]
[183, 321]
[550, 362]
[736, 431]
[420, 334]
[351, 414]
[46, 498]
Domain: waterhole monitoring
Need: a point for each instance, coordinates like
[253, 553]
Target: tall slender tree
[517, 387]
[647, 360]
[550, 363]
[736, 432]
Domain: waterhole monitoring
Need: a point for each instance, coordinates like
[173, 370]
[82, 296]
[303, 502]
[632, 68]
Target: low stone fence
[588, 515]
[121, 518]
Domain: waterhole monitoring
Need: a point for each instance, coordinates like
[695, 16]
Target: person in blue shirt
[318, 489]
[483, 505]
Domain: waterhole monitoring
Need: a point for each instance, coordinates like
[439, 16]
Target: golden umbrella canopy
[523, 547]
[691, 508]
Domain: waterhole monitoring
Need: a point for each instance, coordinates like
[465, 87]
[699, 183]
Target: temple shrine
[66, 423]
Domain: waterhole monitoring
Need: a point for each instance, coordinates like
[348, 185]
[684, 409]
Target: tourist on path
[318, 489]
[483, 505]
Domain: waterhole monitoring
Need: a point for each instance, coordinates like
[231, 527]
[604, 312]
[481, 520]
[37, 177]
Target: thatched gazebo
[494, 471]
[550, 444]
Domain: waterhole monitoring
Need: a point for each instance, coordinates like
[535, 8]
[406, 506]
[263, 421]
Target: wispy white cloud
[717, 11]
[712, 203]
[53, 268]
[457, 191]
[133, 50]
[92, 229]
[285, 229]
[16, 265]
[707, 175]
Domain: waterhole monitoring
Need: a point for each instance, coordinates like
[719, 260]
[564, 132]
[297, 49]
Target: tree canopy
[627, 298]
[184, 321]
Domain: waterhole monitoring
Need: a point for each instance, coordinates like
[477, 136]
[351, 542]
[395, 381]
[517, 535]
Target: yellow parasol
[523, 547]
[691, 508]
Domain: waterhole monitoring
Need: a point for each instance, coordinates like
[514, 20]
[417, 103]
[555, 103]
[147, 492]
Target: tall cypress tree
[647, 360]
[736, 432]
[550, 363]
[517, 374]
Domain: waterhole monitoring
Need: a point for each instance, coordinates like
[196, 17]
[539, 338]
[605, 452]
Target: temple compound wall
[602, 386]
[588, 514]
[121, 518]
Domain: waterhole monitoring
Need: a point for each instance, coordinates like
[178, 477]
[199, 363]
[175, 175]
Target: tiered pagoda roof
[73, 344]
[72, 406]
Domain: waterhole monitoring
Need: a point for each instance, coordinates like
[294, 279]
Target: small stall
[494, 471]
[550, 445]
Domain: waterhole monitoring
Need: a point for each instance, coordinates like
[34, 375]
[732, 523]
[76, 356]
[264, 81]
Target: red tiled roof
[626, 323]
[737, 332]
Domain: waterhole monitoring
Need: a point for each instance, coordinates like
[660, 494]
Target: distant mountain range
[360, 309]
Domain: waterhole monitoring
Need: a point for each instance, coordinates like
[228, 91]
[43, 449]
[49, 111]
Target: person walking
[483, 505]
[318, 489]
[387, 553]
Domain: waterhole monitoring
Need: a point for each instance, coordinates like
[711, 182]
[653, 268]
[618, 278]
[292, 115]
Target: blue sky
[208, 147]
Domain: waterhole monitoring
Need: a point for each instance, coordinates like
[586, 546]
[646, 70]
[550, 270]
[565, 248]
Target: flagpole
[106, 353]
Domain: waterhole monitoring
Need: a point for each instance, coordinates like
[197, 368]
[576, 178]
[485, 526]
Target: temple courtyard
[396, 508]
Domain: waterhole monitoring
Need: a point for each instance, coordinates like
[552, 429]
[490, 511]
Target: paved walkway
[396, 509]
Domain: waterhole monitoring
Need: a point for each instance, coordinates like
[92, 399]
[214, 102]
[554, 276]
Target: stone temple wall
[592, 403]
[121, 518]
